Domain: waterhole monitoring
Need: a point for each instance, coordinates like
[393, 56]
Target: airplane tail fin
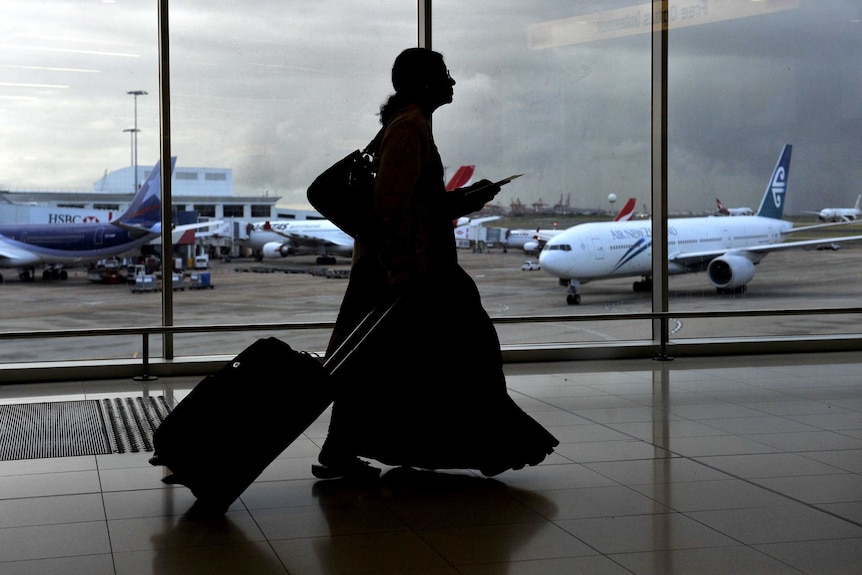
[145, 210]
[721, 208]
[858, 199]
[463, 175]
[627, 211]
[772, 204]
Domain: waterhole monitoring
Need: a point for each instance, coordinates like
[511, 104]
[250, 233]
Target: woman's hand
[479, 194]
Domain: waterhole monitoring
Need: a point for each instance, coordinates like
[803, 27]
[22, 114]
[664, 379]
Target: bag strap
[359, 334]
[371, 148]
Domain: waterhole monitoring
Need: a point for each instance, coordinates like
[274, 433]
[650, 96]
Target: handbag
[343, 193]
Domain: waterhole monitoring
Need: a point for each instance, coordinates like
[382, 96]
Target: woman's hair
[410, 74]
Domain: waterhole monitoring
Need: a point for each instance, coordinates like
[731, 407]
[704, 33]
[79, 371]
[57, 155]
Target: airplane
[24, 246]
[281, 239]
[538, 239]
[732, 211]
[293, 237]
[840, 214]
[727, 249]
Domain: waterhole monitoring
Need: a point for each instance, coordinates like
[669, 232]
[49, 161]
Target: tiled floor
[727, 465]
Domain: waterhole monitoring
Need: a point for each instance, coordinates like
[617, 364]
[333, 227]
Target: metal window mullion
[423, 24]
[658, 145]
[167, 198]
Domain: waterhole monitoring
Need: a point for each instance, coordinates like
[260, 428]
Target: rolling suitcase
[235, 422]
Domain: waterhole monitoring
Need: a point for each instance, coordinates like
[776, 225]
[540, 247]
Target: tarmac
[295, 289]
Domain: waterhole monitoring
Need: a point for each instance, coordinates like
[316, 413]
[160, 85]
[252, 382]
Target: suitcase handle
[359, 334]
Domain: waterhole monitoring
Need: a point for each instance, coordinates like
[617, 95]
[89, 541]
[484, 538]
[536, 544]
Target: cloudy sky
[279, 90]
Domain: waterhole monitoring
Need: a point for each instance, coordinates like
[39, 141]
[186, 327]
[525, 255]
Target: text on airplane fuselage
[71, 219]
[280, 226]
[636, 233]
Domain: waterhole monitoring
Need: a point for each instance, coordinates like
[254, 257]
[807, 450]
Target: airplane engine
[730, 271]
[531, 246]
[275, 250]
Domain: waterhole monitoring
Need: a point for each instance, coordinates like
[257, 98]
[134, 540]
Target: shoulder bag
[343, 193]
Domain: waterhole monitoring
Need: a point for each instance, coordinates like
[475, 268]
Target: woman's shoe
[353, 468]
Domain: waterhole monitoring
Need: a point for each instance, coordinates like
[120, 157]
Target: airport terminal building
[198, 194]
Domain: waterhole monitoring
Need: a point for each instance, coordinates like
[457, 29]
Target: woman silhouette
[427, 389]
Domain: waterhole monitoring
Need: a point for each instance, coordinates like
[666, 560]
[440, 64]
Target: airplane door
[598, 249]
[99, 236]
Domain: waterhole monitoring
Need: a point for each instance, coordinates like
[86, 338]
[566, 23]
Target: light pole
[135, 131]
[132, 133]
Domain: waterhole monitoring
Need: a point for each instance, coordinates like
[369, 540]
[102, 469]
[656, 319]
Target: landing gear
[644, 285]
[572, 297]
[54, 273]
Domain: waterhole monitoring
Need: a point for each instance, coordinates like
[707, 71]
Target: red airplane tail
[627, 212]
[461, 177]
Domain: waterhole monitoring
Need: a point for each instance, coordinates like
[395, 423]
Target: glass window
[233, 210]
[539, 94]
[206, 210]
[262, 100]
[762, 131]
[261, 211]
[562, 93]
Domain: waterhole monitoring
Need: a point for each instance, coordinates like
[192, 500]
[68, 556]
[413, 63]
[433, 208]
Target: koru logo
[778, 186]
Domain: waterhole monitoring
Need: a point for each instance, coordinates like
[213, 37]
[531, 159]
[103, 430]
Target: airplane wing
[14, 256]
[216, 230]
[179, 231]
[817, 226]
[199, 225]
[483, 219]
[699, 260]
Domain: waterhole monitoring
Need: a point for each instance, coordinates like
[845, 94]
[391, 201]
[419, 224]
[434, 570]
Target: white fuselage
[614, 249]
[517, 238]
[839, 214]
[300, 236]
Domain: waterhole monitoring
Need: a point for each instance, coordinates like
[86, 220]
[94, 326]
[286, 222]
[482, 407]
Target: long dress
[427, 389]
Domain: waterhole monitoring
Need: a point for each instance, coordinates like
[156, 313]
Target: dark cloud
[277, 91]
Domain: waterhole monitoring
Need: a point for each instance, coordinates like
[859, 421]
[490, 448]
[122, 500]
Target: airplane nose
[549, 261]
[557, 258]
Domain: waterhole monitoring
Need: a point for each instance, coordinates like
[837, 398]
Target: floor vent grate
[73, 428]
[131, 421]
